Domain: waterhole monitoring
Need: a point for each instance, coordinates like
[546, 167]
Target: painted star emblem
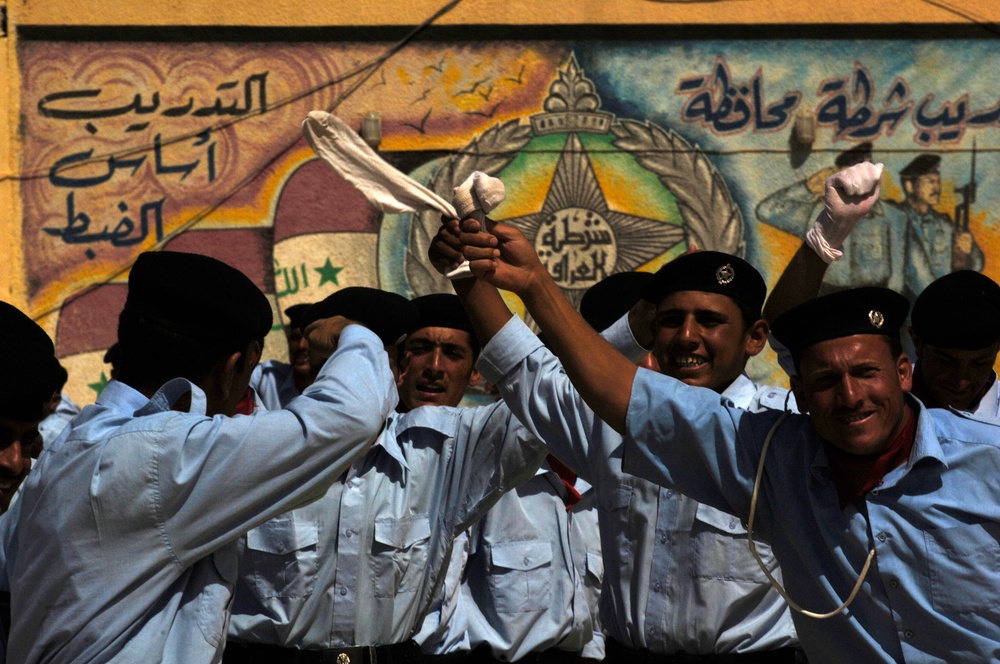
[328, 273]
[579, 238]
[99, 386]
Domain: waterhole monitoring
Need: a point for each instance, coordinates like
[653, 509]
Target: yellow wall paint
[507, 12]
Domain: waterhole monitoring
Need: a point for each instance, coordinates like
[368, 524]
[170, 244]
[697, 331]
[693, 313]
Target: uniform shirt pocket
[283, 556]
[521, 575]
[595, 566]
[399, 552]
[721, 550]
[962, 564]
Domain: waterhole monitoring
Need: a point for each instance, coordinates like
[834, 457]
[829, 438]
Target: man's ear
[475, 378]
[757, 337]
[229, 373]
[905, 370]
[908, 187]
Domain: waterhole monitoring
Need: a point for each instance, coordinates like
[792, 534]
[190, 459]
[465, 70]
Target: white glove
[850, 195]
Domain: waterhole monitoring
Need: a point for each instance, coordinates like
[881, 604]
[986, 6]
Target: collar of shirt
[170, 392]
[121, 397]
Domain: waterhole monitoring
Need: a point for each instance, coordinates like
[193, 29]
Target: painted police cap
[960, 310]
[857, 154]
[921, 165]
[867, 310]
[294, 314]
[28, 366]
[386, 314]
[612, 297]
[710, 272]
[197, 297]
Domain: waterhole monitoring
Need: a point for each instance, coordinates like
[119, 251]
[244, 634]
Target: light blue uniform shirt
[677, 574]
[585, 534]
[274, 383]
[362, 565]
[125, 547]
[932, 593]
[52, 426]
[445, 629]
[524, 590]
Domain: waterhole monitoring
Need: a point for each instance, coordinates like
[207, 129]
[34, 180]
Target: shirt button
[663, 539]
[881, 537]
[894, 583]
[732, 524]
[656, 586]
[343, 590]
[908, 633]
[526, 560]
[670, 494]
[349, 533]
[874, 492]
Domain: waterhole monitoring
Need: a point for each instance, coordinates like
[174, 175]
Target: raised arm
[850, 195]
[505, 259]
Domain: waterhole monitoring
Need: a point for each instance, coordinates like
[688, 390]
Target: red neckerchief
[921, 392]
[248, 404]
[855, 475]
[568, 478]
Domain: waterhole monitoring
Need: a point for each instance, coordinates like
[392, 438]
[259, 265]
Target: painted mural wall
[616, 156]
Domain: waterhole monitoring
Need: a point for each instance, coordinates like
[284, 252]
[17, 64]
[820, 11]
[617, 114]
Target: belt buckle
[350, 655]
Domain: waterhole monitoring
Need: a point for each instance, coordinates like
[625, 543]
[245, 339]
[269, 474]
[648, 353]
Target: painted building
[625, 132]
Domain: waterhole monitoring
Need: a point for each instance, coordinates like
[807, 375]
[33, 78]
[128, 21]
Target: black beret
[867, 310]
[960, 310]
[198, 297]
[921, 165]
[440, 310]
[386, 314]
[28, 366]
[711, 272]
[294, 314]
[859, 153]
[443, 310]
[612, 297]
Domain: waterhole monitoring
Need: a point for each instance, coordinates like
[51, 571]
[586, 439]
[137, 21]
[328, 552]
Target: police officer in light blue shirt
[123, 545]
[883, 514]
[351, 576]
[955, 328]
[277, 383]
[677, 578]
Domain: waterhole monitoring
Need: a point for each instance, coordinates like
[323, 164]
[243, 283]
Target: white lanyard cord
[753, 545]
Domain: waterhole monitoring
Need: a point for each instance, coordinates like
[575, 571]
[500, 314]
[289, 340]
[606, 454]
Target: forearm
[799, 283]
[486, 308]
[601, 375]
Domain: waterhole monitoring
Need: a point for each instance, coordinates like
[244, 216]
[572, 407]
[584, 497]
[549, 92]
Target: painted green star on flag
[99, 386]
[328, 273]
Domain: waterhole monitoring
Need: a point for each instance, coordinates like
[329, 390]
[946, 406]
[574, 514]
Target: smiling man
[868, 484]
[31, 374]
[717, 604]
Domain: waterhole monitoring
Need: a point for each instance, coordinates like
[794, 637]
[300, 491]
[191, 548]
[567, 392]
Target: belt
[618, 653]
[256, 653]
[483, 654]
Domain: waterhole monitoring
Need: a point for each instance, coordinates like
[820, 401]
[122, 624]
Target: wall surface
[624, 131]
